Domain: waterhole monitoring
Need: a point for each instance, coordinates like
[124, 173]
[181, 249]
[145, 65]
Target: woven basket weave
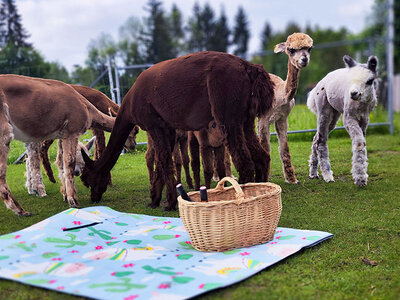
[234, 217]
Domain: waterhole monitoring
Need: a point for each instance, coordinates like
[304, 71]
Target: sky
[62, 29]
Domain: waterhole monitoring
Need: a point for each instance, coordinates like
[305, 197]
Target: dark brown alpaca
[187, 93]
[103, 104]
[180, 155]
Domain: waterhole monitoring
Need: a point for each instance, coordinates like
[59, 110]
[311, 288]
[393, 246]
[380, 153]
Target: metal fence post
[110, 77]
[389, 61]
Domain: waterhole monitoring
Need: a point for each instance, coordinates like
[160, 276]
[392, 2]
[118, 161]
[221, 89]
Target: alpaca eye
[370, 82]
[309, 50]
[292, 51]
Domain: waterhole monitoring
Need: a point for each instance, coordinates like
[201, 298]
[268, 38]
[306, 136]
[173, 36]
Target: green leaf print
[182, 279]
[184, 256]
[231, 252]
[50, 254]
[313, 238]
[121, 224]
[186, 245]
[7, 237]
[4, 257]
[37, 281]
[118, 287]
[161, 237]
[69, 243]
[122, 274]
[286, 237]
[133, 242]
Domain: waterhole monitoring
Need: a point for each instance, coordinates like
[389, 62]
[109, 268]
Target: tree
[241, 33]
[130, 48]
[266, 36]
[12, 31]
[176, 28]
[196, 38]
[156, 35]
[220, 39]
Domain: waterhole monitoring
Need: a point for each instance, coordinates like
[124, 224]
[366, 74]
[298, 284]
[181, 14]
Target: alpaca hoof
[313, 176]
[23, 213]
[73, 203]
[169, 208]
[328, 176]
[215, 178]
[361, 182]
[152, 205]
[41, 193]
[291, 181]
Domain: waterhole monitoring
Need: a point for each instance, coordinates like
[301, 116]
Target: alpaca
[34, 180]
[349, 91]
[34, 109]
[106, 106]
[298, 48]
[180, 155]
[186, 93]
[216, 161]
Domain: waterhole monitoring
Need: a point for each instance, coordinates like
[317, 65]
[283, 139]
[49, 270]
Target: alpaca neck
[292, 81]
[114, 147]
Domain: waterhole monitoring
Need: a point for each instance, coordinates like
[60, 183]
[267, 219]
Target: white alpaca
[349, 91]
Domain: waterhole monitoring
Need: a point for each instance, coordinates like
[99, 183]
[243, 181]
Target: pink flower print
[178, 235]
[278, 231]
[167, 222]
[77, 222]
[273, 243]
[98, 247]
[52, 281]
[164, 286]
[128, 265]
[131, 297]
[125, 241]
[278, 237]
[113, 273]
[73, 251]
[60, 288]
[17, 236]
[303, 238]
[56, 258]
[64, 228]
[201, 286]
[113, 238]
[188, 242]
[244, 253]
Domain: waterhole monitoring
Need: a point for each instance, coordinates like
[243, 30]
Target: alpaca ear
[88, 162]
[372, 63]
[90, 143]
[348, 61]
[280, 47]
[136, 129]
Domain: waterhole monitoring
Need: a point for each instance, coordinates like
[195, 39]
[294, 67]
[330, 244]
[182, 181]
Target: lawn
[365, 221]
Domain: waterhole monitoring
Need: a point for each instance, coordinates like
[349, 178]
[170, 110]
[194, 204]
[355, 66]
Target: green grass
[365, 221]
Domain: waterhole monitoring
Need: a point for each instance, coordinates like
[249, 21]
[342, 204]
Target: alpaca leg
[60, 165]
[313, 161]
[359, 163]
[150, 158]
[324, 121]
[240, 153]
[163, 139]
[35, 179]
[263, 128]
[29, 175]
[195, 161]
[177, 162]
[228, 165]
[69, 147]
[100, 143]
[260, 157]
[281, 127]
[219, 161]
[183, 145]
[44, 157]
[5, 138]
[208, 166]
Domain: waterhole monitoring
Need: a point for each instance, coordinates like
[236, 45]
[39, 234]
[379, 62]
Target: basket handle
[236, 186]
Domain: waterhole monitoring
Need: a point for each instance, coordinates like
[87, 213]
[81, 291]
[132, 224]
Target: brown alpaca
[298, 47]
[32, 110]
[186, 93]
[106, 106]
[216, 161]
[180, 155]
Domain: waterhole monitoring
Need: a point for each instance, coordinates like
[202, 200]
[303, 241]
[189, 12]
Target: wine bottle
[182, 192]
[203, 194]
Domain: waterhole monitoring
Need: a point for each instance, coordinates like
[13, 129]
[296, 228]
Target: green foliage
[241, 33]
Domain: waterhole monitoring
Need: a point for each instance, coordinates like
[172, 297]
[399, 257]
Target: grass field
[365, 221]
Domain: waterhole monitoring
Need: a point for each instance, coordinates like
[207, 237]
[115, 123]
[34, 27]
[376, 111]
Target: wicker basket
[234, 217]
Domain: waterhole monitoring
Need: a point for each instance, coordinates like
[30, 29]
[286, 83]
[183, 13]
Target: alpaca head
[298, 47]
[80, 163]
[93, 179]
[130, 144]
[361, 78]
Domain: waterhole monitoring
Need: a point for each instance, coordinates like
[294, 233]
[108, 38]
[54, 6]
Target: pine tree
[196, 38]
[177, 33]
[12, 31]
[266, 36]
[241, 33]
[156, 35]
[220, 39]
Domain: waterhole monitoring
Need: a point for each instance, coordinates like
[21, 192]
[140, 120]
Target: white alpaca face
[80, 163]
[361, 78]
[361, 83]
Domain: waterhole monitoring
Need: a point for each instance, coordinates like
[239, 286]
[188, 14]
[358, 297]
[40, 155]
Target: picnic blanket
[101, 253]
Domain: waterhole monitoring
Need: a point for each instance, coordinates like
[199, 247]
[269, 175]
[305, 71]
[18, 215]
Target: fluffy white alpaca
[349, 91]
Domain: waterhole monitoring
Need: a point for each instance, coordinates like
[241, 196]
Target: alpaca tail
[311, 101]
[262, 91]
